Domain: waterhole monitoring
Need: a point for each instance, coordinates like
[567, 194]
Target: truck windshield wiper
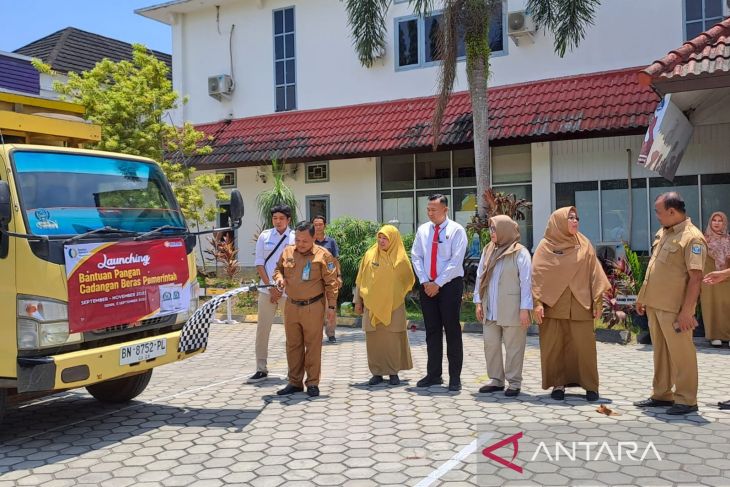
[158, 231]
[105, 229]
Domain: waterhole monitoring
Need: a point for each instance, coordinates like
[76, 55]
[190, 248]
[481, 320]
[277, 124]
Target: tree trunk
[477, 77]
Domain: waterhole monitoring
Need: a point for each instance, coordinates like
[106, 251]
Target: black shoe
[375, 380]
[394, 380]
[289, 389]
[488, 389]
[429, 381]
[678, 409]
[455, 386]
[652, 403]
[332, 339]
[558, 394]
[591, 396]
[724, 404]
[313, 391]
[257, 377]
[512, 392]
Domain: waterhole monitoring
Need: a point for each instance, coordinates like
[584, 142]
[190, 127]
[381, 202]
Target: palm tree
[566, 19]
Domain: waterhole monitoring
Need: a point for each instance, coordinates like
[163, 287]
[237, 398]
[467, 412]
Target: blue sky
[29, 20]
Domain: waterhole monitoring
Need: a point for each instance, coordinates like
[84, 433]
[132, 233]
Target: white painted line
[43, 401]
[448, 465]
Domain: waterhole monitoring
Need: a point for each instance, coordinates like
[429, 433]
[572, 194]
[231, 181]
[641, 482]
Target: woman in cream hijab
[716, 299]
[383, 281]
[567, 287]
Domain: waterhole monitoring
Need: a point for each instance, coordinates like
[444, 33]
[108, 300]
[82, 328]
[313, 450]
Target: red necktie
[434, 251]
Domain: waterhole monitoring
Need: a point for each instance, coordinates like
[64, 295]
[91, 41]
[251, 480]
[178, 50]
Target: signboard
[666, 140]
[626, 300]
[114, 283]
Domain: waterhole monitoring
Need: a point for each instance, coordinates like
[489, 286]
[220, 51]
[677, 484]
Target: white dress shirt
[451, 250]
[267, 241]
[524, 270]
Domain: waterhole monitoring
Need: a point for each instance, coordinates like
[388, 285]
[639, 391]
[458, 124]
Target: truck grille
[142, 324]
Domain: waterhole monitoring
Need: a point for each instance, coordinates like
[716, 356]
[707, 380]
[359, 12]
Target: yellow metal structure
[29, 119]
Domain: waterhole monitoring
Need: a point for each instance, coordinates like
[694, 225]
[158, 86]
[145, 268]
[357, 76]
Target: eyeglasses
[492, 229]
[573, 219]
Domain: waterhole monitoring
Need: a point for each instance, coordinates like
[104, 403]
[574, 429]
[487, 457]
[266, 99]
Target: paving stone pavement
[199, 423]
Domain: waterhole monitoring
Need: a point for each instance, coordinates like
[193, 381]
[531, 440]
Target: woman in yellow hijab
[383, 281]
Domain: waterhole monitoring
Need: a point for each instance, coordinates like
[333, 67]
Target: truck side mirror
[236, 208]
[5, 203]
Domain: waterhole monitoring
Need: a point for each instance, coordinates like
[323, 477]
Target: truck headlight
[43, 323]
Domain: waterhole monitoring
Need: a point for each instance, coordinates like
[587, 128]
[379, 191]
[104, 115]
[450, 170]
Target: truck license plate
[142, 351]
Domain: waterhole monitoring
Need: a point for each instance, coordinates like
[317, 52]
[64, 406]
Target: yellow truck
[97, 270]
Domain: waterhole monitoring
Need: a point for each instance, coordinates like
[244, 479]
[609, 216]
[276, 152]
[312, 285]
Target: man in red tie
[438, 256]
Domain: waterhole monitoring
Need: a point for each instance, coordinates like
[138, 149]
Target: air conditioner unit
[610, 251]
[220, 85]
[520, 26]
[726, 9]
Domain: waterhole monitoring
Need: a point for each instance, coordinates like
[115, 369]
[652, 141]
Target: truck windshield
[67, 194]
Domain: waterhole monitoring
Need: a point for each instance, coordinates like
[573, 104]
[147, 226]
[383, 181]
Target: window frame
[421, 31]
[307, 165]
[225, 172]
[702, 19]
[274, 36]
[315, 197]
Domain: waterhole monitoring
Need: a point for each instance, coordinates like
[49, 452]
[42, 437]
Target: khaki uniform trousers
[514, 339]
[675, 359]
[266, 310]
[303, 328]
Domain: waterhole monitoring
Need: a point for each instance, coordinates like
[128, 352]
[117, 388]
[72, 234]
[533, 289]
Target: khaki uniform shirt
[675, 251]
[322, 273]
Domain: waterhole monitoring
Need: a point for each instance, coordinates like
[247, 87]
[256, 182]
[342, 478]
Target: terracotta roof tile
[707, 53]
[592, 104]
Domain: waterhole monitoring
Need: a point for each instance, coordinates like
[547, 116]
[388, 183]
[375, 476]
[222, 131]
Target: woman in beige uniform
[716, 299]
[567, 285]
[384, 279]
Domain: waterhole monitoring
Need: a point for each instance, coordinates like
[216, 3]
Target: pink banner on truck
[124, 282]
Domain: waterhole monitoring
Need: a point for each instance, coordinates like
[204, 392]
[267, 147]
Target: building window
[406, 182]
[318, 205]
[700, 15]
[417, 38]
[284, 60]
[229, 178]
[317, 172]
[603, 206]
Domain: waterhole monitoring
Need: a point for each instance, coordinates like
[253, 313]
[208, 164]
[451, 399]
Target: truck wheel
[120, 390]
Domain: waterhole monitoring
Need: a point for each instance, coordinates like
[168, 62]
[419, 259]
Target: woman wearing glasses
[567, 286]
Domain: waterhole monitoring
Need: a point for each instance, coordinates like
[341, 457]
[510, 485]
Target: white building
[564, 130]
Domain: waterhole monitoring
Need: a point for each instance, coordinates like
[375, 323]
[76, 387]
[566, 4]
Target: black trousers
[441, 312]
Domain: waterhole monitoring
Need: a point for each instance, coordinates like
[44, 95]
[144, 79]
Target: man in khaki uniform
[669, 297]
[308, 274]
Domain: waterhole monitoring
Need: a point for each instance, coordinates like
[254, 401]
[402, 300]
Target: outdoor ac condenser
[726, 9]
[220, 85]
[520, 26]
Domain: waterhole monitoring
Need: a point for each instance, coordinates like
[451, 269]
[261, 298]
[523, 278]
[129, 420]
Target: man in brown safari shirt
[308, 274]
[669, 296]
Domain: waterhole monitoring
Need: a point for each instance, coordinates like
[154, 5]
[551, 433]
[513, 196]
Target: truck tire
[120, 390]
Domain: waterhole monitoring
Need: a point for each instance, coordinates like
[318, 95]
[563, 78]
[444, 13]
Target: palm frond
[566, 19]
[447, 44]
[366, 19]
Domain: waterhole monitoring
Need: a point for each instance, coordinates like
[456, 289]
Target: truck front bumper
[86, 367]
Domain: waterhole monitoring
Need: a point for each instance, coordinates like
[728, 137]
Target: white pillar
[542, 188]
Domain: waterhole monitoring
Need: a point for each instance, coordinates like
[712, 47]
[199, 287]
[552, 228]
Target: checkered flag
[195, 332]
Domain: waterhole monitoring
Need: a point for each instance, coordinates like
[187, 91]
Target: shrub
[353, 237]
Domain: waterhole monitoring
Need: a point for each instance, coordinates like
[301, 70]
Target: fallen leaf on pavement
[608, 412]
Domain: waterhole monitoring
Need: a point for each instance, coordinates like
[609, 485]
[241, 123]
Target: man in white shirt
[269, 246]
[438, 256]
